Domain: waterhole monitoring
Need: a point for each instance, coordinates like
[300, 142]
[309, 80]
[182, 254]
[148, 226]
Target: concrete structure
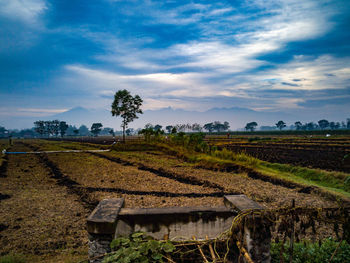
[110, 220]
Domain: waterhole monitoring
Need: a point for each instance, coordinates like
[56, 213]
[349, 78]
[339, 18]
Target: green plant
[12, 258]
[138, 248]
[307, 252]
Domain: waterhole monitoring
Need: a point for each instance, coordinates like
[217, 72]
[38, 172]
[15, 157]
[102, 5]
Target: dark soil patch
[4, 196]
[306, 190]
[157, 193]
[327, 158]
[3, 167]
[3, 227]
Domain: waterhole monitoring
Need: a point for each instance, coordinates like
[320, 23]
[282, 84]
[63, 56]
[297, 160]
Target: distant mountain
[237, 117]
[80, 115]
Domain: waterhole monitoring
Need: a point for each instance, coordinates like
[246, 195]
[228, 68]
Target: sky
[265, 55]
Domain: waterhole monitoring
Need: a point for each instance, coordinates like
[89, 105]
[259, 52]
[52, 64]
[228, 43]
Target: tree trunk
[123, 133]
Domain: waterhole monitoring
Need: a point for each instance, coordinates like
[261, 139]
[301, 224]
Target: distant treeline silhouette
[56, 128]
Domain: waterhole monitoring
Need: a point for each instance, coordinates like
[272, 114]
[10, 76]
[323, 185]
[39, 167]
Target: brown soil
[40, 216]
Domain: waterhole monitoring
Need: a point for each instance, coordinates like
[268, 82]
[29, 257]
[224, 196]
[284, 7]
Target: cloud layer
[289, 55]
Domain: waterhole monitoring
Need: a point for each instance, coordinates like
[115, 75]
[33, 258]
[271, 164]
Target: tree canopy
[127, 107]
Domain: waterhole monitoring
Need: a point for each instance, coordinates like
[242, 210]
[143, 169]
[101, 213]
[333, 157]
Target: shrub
[138, 248]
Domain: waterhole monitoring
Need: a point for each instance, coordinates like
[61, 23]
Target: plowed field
[46, 198]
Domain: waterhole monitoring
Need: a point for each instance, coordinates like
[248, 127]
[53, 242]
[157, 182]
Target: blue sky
[266, 55]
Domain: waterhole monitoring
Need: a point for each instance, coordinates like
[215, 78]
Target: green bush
[138, 248]
[313, 252]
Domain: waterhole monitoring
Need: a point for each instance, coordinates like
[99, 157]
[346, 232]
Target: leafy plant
[138, 247]
[306, 252]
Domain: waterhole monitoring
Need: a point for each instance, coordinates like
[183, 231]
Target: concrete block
[103, 219]
[241, 203]
[176, 223]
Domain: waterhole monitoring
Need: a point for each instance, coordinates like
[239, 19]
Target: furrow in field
[63, 180]
[94, 172]
[157, 193]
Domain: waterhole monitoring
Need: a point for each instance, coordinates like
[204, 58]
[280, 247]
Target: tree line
[308, 126]
[61, 128]
[195, 127]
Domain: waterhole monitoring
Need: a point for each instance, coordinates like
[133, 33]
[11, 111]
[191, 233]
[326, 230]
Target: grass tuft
[13, 258]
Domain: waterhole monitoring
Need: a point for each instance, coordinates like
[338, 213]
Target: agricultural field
[314, 151]
[46, 198]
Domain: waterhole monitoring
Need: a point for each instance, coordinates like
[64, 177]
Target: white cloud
[29, 112]
[216, 64]
[324, 72]
[220, 46]
[184, 84]
[160, 103]
[26, 11]
[39, 110]
[222, 57]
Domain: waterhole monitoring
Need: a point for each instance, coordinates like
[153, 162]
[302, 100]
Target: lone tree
[126, 106]
[251, 126]
[280, 125]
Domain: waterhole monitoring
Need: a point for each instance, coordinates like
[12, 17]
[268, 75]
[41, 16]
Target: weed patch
[13, 258]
